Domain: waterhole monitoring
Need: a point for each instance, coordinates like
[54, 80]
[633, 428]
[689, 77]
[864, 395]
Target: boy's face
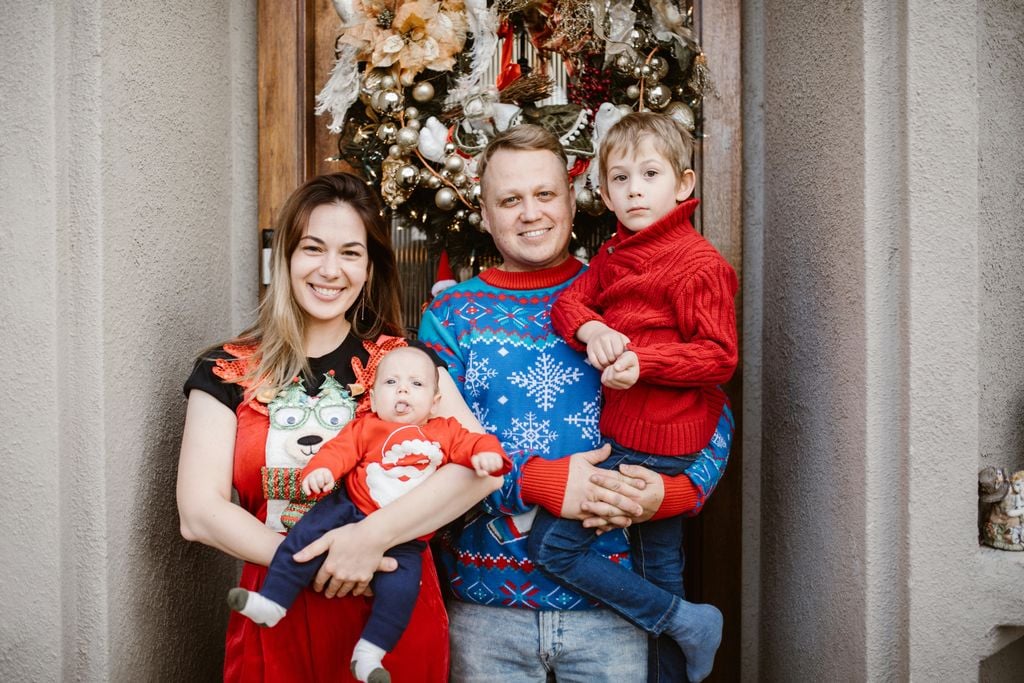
[641, 186]
[405, 387]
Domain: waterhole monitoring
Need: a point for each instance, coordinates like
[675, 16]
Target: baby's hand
[319, 480]
[604, 345]
[624, 373]
[485, 463]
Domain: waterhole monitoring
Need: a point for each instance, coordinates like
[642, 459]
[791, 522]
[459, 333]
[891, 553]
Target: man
[525, 385]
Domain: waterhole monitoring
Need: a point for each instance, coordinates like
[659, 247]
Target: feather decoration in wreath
[341, 90]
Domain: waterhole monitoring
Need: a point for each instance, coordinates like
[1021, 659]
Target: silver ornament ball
[454, 163]
[387, 131]
[632, 91]
[411, 113]
[407, 138]
[387, 101]
[658, 96]
[408, 176]
[681, 113]
[423, 92]
[445, 199]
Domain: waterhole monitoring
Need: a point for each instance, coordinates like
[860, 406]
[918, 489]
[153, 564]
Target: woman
[261, 405]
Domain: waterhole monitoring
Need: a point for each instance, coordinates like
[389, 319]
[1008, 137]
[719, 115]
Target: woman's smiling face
[330, 263]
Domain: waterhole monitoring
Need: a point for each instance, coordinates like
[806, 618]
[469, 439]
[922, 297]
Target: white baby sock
[366, 663]
[263, 611]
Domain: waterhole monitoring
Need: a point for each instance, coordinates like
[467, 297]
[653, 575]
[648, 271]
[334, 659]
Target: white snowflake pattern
[529, 434]
[586, 420]
[545, 380]
[478, 374]
[481, 415]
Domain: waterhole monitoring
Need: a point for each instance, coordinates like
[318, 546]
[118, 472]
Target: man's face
[527, 208]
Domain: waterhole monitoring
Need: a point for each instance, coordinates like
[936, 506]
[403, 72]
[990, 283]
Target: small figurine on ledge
[1001, 508]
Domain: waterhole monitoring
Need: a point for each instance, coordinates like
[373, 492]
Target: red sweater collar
[535, 279]
[679, 216]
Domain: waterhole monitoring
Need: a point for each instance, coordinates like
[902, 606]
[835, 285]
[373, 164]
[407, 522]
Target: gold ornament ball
[623, 64]
[454, 163]
[387, 131]
[460, 179]
[413, 123]
[632, 91]
[407, 138]
[658, 96]
[408, 176]
[445, 199]
[395, 152]
[434, 182]
[474, 193]
[387, 101]
[388, 81]
[425, 176]
[639, 38]
[449, 148]
[423, 92]
[659, 67]
[475, 219]
[681, 113]
[411, 113]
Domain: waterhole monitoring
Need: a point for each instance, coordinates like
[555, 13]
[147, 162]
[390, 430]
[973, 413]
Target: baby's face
[405, 388]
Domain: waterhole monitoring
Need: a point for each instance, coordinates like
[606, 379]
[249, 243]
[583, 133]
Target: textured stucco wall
[128, 192]
[887, 185]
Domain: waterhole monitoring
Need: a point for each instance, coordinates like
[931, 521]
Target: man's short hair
[673, 140]
[525, 137]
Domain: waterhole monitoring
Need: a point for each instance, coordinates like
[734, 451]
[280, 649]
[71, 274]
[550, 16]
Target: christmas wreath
[411, 106]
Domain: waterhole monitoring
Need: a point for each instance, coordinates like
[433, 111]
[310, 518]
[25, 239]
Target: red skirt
[314, 641]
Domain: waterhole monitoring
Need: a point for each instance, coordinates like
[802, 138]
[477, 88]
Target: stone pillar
[884, 179]
[128, 241]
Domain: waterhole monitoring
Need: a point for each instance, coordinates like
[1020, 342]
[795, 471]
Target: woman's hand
[353, 555]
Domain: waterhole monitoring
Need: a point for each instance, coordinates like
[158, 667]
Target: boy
[655, 315]
[385, 453]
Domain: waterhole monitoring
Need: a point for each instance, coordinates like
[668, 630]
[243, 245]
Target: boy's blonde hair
[673, 140]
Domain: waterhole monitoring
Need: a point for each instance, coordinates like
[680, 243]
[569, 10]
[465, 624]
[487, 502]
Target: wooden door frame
[295, 46]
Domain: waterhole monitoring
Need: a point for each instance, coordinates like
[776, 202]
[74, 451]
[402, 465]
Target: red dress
[314, 641]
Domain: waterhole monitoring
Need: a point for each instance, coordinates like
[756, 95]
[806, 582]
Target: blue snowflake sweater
[540, 398]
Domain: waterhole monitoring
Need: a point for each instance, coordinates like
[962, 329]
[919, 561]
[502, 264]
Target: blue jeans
[395, 593]
[522, 646]
[562, 548]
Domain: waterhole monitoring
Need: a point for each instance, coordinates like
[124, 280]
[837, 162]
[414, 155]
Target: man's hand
[352, 558]
[604, 345]
[652, 491]
[319, 480]
[485, 463]
[622, 374]
[604, 497]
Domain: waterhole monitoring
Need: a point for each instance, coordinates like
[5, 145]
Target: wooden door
[296, 52]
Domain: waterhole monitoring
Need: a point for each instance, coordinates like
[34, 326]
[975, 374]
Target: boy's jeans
[561, 547]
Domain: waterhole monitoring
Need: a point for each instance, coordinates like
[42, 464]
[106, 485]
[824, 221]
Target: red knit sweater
[671, 292]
